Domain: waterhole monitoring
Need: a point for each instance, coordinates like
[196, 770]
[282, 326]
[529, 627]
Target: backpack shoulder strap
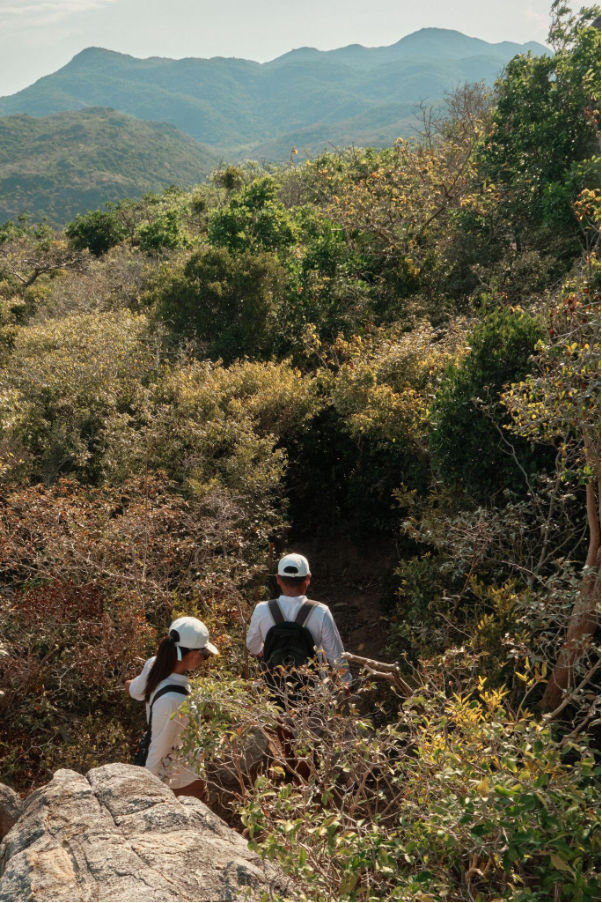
[304, 612]
[170, 688]
[276, 611]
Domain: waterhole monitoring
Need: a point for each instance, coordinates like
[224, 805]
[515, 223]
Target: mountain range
[237, 109]
[233, 103]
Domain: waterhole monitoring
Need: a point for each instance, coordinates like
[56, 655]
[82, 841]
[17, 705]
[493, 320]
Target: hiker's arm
[137, 686]
[254, 637]
[333, 648]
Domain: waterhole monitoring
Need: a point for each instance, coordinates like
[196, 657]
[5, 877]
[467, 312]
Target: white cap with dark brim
[294, 565]
[190, 633]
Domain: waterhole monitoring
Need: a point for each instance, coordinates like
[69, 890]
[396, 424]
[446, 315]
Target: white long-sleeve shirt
[166, 729]
[320, 624]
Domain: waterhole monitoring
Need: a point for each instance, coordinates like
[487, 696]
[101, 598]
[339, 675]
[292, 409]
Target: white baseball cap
[293, 565]
[191, 634]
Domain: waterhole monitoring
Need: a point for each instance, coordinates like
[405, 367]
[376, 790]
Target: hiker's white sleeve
[254, 636]
[138, 685]
[165, 731]
[332, 645]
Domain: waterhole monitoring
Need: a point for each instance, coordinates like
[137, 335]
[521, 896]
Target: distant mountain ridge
[239, 107]
[425, 42]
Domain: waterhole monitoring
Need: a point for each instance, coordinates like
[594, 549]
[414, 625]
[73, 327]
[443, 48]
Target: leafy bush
[253, 219]
[369, 435]
[98, 231]
[64, 379]
[468, 442]
[196, 549]
[541, 131]
[67, 646]
[164, 232]
[217, 429]
[229, 303]
[456, 797]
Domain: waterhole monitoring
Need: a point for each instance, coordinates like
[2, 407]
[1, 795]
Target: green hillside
[233, 104]
[68, 163]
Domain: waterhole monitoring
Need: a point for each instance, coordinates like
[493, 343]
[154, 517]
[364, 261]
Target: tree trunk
[584, 617]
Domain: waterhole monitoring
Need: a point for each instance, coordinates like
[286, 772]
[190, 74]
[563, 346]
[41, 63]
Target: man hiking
[291, 632]
[279, 629]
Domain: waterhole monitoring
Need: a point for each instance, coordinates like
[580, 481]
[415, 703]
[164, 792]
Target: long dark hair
[164, 663]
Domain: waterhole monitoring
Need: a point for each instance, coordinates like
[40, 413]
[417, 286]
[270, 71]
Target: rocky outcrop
[10, 809]
[120, 834]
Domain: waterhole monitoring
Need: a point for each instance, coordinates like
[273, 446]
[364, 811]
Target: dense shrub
[229, 303]
[370, 434]
[469, 444]
[97, 232]
[64, 379]
[164, 232]
[67, 647]
[458, 796]
[544, 130]
[254, 219]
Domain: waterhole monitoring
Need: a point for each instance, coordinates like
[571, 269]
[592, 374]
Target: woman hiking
[163, 685]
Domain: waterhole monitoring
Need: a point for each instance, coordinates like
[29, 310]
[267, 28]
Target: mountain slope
[231, 103]
[68, 163]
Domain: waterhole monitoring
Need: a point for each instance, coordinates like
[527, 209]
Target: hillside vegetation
[307, 97]
[68, 163]
[396, 346]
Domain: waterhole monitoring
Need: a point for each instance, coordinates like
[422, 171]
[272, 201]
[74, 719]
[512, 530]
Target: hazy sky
[39, 36]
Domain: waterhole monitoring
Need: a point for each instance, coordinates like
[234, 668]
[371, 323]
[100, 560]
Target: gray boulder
[10, 809]
[251, 753]
[120, 834]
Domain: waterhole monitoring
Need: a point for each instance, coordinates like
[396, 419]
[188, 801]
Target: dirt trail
[351, 579]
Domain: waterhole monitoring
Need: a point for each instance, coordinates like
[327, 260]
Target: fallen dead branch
[382, 670]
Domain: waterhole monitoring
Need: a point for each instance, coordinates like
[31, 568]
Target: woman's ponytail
[162, 667]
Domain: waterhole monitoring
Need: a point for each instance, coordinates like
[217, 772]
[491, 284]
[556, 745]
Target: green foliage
[219, 433]
[369, 436]
[64, 380]
[469, 446]
[544, 129]
[231, 178]
[254, 219]
[559, 402]
[164, 232]
[98, 231]
[329, 294]
[457, 796]
[228, 302]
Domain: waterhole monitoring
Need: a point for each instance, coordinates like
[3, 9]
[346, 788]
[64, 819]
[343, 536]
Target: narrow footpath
[352, 579]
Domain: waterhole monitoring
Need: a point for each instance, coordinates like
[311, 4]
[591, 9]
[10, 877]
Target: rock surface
[10, 809]
[120, 834]
[252, 752]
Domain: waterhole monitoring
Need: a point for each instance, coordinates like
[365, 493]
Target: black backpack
[289, 644]
[141, 753]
